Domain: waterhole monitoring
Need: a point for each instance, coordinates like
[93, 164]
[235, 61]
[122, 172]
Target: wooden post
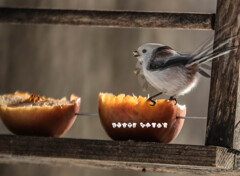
[223, 124]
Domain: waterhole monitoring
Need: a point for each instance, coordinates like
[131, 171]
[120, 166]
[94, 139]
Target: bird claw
[151, 98]
[173, 98]
[154, 102]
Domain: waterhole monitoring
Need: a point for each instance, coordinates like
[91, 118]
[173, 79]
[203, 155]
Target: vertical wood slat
[223, 128]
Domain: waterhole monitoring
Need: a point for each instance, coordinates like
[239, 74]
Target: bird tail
[208, 52]
[211, 56]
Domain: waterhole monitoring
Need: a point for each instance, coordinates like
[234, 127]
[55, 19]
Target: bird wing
[161, 62]
[158, 63]
[176, 61]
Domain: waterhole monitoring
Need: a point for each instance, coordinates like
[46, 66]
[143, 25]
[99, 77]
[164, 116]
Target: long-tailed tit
[173, 73]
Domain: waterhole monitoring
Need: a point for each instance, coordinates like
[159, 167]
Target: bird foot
[173, 98]
[153, 102]
[151, 98]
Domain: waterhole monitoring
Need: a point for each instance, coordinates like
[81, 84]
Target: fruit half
[26, 114]
[127, 117]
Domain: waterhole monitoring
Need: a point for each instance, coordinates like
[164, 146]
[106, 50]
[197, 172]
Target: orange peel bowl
[26, 114]
[118, 111]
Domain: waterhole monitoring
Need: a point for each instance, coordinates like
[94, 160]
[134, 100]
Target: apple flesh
[33, 118]
[133, 118]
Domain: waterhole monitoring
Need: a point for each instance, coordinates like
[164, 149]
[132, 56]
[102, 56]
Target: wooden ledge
[146, 156]
[108, 18]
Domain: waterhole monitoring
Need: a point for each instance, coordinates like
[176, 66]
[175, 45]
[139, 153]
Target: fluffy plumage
[173, 73]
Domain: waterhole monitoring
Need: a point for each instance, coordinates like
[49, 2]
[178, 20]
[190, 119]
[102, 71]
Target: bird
[176, 74]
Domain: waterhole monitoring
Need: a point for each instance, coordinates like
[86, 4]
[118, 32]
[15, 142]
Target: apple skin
[40, 121]
[121, 108]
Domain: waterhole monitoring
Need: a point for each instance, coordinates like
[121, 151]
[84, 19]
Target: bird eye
[144, 50]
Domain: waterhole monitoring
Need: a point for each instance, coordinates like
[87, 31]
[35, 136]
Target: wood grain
[101, 164]
[108, 18]
[223, 127]
[119, 151]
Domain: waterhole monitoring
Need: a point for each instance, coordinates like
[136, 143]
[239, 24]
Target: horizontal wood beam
[116, 154]
[100, 164]
[108, 18]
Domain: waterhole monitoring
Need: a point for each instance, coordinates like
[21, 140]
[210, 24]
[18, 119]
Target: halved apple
[26, 114]
[119, 114]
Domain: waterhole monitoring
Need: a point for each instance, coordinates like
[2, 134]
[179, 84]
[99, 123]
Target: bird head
[149, 50]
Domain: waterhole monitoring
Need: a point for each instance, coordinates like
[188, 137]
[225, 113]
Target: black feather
[203, 73]
[164, 57]
[205, 66]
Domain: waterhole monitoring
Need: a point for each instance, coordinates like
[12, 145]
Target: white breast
[172, 81]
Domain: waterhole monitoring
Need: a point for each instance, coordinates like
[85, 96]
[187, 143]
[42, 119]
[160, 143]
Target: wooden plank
[101, 164]
[237, 162]
[119, 151]
[108, 18]
[223, 128]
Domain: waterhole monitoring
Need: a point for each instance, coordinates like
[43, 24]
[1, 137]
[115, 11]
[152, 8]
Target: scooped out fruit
[26, 114]
[126, 117]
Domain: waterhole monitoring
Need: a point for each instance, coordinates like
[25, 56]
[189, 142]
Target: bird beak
[136, 53]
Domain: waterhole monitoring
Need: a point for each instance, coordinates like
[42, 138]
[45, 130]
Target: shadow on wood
[148, 156]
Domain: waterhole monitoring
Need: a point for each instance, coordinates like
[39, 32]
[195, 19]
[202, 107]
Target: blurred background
[57, 60]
